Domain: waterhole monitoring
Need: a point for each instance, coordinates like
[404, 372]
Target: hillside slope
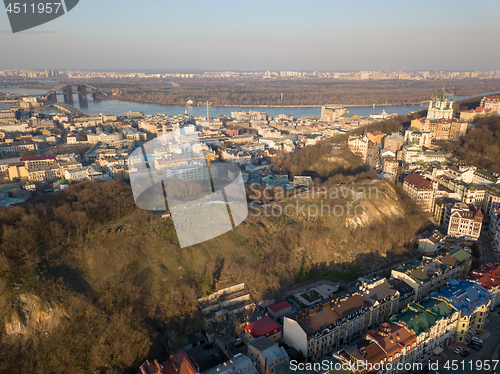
[105, 285]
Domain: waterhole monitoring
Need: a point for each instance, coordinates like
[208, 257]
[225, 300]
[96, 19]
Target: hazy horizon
[279, 35]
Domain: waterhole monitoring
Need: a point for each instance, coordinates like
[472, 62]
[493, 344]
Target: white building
[77, 174]
[421, 139]
[359, 146]
[463, 221]
[190, 173]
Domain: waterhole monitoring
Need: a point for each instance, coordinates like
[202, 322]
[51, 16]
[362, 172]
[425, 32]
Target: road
[372, 156]
[488, 255]
[489, 352]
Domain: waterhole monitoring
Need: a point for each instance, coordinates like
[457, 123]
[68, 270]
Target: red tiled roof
[279, 306]
[178, 363]
[263, 327]
[418, 181]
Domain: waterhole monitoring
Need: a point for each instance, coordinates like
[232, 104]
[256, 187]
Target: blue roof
[464, 296]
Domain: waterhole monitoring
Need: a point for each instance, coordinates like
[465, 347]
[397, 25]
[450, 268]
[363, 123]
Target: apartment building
[390, 165]
[433, 322]
[491, 102]
[382, 297]
[16, 147]
[441, 129]
[491, 199]
[433, 271]
[266, 355]
[489, 277]
[421, 190]
[472, 302]
[318, 330]
[421, 139]
[393, 142]
[376, 137]
[441, 206]
[190, 173]
[495, 229]
[398, 343]
[76, 175]
[469, 115]
[463, 221]
[359, 146]
[484, 177]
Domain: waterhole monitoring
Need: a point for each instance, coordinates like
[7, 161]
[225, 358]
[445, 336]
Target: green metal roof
[460, 255]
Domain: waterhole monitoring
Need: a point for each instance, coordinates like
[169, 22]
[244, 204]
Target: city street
[490, 350]
[488, 255]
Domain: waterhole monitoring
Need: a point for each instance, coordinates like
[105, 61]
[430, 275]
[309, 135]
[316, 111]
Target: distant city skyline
[278, 35]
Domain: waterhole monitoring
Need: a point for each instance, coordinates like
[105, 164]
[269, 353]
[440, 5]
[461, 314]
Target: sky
[262, 35]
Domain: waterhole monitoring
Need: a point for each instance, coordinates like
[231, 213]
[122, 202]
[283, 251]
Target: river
[118, 107]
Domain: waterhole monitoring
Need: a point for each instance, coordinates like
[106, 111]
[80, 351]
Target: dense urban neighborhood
[434, 307]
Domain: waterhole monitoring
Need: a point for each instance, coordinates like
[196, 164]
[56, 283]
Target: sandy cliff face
[32, 317]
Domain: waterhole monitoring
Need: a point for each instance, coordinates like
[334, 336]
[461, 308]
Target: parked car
[458, 350]
[465, 353]
[477, 340]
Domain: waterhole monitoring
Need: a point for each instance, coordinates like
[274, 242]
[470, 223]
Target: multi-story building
[266, 355]
[469, 115]
[78, 174]
[491, 102]
[398, 343]
[359, 146]
[387, 348]
[421, 190]
[433, 322]
[441, 129]
[376, 137]
[17, 147]
[491, 199]
[406, 292]
[190, 173]
[382, 297]
[441, 205]
[394, 142]
[330, 113]
[390, 165]
[463, 221]
[484, 177]
[421, 139]
[317, 330]
[472, 302]
[489, 277]
[433, 271]
[495, 229]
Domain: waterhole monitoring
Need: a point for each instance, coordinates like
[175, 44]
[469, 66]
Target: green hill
[90, 283]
